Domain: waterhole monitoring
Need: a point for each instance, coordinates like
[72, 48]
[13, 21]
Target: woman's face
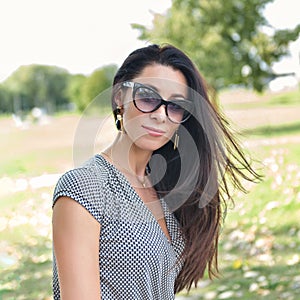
[151, 130]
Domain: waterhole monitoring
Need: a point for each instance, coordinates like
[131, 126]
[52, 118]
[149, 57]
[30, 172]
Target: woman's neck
[124, 154]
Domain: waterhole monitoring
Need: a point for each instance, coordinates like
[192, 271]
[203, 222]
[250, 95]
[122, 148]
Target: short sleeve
[83, 186]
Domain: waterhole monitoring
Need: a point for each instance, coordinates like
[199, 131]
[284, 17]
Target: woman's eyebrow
[152, 87]
[178, 96]
[157, 91]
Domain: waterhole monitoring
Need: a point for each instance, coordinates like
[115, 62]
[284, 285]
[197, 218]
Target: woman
[147, 212]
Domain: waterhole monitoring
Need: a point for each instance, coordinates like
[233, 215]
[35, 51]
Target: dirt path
[295, 139]
[251, 118]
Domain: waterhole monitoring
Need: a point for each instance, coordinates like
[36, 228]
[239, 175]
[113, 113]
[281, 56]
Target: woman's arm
[76, 248]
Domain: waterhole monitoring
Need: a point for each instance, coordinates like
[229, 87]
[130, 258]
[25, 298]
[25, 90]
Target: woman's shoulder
[88, 180]
[86, 185]
[94, 170]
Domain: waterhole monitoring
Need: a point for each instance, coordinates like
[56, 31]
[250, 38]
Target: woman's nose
[159, 114]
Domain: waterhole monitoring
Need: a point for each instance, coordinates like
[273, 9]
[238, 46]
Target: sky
[83, 35]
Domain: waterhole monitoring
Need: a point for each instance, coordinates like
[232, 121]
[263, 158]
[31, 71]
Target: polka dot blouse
[136, 259]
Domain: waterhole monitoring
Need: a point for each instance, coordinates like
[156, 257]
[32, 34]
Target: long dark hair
[209, 159]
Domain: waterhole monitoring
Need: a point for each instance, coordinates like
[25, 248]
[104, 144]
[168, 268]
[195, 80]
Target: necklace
[140, 179]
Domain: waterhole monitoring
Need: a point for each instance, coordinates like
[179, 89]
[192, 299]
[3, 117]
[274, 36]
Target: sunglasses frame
[135, 85]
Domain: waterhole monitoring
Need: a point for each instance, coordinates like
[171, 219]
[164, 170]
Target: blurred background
[57, 56]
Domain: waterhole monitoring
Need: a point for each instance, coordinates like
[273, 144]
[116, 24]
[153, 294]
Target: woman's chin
[149, 143]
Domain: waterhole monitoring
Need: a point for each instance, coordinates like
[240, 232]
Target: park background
[260, 242]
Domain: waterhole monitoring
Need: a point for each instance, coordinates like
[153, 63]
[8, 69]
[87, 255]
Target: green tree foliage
[74, 90]
[52, 88]
[100, 80]
[38, 86]
[230, 41]
[6, 104]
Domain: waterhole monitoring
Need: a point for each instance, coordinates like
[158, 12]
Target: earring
[119, 120]
[176, 140]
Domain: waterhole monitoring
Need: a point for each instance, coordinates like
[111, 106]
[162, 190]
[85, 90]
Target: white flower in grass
[295, 259]
[251, 274]
[287, 191]
[21, 185]
[278, 179]
[226, 295]
[253, 287]
[17, 221]
[271, 205]
[3, 223]
[274, 167]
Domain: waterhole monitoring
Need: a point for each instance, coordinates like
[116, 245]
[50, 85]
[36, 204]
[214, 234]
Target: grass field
[260, 243]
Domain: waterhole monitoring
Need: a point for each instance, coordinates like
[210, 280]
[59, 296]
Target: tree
[230, 41]
[6, 103]
[74, 90]
[52, 88]
[38, 86]
[100, 80]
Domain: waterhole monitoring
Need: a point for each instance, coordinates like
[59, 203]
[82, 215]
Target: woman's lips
[154, 131]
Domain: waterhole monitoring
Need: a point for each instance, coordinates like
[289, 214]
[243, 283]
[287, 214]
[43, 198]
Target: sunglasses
[147, 100]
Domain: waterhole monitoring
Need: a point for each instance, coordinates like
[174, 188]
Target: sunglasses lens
[179, 110]
[146, 100]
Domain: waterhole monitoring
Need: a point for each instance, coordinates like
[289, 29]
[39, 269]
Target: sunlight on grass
[288, 98]
[241, 99]
[26, 247]
[279, 130]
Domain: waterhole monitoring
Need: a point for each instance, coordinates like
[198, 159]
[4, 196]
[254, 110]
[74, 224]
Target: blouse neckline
[167, 213]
